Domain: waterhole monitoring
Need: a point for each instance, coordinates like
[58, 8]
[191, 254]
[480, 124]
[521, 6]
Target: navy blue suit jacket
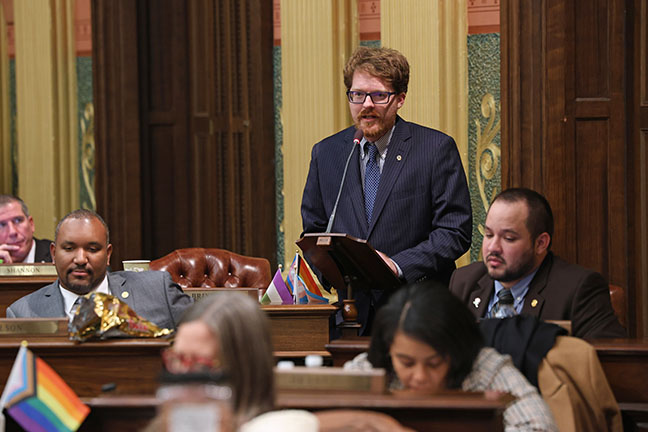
[422, 217]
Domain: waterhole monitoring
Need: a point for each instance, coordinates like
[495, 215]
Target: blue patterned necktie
[504, 306]
[372, 179]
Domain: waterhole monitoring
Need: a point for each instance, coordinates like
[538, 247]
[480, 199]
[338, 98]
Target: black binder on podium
[348, 262]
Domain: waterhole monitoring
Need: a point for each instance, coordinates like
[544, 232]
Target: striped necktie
[504, 306]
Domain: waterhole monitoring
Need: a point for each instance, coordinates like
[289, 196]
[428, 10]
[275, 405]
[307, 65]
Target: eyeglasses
[378, 97]
[176, 362]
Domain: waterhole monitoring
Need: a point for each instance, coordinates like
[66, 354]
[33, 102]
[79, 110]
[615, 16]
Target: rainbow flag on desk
[38, 398]
[303, 283]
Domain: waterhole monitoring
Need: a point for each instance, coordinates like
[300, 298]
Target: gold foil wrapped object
[103, 316]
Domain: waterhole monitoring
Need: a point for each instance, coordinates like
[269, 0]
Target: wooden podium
[351, 263]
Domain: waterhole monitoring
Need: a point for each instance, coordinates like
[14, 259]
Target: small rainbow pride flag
[302, 283]
[38, 398]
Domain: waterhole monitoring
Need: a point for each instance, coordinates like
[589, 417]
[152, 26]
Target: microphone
[357, 137]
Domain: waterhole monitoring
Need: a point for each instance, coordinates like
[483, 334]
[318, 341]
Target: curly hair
[384, 63]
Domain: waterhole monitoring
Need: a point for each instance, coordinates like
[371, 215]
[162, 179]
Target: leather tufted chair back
[214, 268]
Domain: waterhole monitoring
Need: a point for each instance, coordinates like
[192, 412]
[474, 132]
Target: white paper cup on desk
[136, 265]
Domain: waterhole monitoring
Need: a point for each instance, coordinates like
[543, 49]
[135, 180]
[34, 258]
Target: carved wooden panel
[231, 123]
[117, 126]
[185, 125]
[564, 120]
[637, 78]
[162, 30]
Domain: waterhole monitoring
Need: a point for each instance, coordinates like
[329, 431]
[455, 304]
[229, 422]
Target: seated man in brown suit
[517, 257]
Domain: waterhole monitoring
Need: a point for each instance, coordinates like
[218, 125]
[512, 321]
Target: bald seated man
[81, 253]
[17, 242]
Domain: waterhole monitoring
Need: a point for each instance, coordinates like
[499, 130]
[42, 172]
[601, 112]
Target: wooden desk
[458, 411]
[625, 362]
[298, 330]
[453, 412]
[14, 287]
[132, 365]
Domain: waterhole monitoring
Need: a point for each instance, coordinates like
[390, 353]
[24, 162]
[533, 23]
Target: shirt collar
[31, 256]
[381, 143]
[69, 297]
[519, 290]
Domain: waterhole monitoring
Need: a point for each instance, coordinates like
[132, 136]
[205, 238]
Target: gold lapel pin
[476, 302]
[534, 303]
[125, 294]
[399, 157]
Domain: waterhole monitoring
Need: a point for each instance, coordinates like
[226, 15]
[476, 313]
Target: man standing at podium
[81, 252]
[405, 190]
[17, 242]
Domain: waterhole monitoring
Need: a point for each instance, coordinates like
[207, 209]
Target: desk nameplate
[27, 270]
[330, 379]
[198, 293]
[15, 327]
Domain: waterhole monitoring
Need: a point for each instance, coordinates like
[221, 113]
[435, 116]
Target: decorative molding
[488, 152]
[483, 16]
[88, 156]
[369, 19]
[276, 21]
[83, 37]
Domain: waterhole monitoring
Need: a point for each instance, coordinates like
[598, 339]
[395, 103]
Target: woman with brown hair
[227, 332]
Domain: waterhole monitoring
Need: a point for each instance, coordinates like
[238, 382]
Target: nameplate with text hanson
[26, 270]
[34, 326]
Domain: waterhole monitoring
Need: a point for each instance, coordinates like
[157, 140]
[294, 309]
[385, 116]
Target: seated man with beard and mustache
[517, 239]
[405, 189]
[81, 253]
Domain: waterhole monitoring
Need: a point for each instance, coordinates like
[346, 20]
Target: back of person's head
[428, 312]
[8, 199]
[540, 218]
[384, 63]
[241, 329]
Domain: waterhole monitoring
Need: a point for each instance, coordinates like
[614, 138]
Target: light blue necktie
[372, 179]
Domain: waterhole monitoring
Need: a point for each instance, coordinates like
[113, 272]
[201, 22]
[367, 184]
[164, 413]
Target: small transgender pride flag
[38, 398]
[302, 283]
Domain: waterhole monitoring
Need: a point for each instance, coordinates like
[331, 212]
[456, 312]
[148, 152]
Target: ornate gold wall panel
[432, 35]
[488, 154]
[5, 122]
[48, 175]
[317, 36]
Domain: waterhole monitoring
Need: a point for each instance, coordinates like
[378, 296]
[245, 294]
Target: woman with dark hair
[428, 342]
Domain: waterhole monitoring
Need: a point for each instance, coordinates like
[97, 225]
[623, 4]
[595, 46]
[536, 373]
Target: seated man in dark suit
[17, 242]
[81, 252]
[516, 254]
